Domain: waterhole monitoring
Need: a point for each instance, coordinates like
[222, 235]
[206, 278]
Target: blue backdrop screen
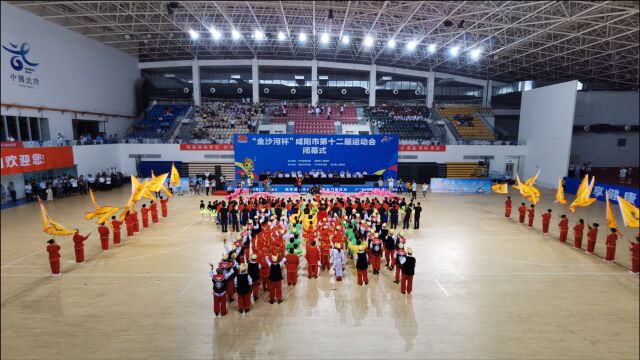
[375, 154]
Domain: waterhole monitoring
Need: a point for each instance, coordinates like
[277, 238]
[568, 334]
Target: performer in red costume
[376, 254]
[54, 257]
[522, 211]
[136, 223]
[163, 206]
[546, 220]
[507, 207]
[611, 244]
[592, 235]
[275, 278]
[242, 283]
[564, 228]
[292, 268]
[219, 280]
[634, 248]
[115, 224]
[78, 244]
[313, 257]
[104, 236]
[254, 271]
[531, 214]
[154, 211]
[145, 215]
[578, 232]
[130, 222]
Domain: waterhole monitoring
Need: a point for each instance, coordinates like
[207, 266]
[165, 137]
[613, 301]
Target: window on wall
[12, 127]
[3, 130]
[35, 128]
[25, 134]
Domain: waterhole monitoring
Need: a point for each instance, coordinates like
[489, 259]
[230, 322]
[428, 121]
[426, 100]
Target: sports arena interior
[467, 146]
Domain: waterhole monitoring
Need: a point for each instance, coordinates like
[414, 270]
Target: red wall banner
[205, 147]
[11, 144]
[422, 147]
[22, 160]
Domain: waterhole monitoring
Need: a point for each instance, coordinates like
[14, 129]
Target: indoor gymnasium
[319, 180]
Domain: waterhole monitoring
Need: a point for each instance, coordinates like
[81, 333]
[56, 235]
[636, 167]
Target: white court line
[80, 275]
[442, 288]
[22, 258]
[186, 287]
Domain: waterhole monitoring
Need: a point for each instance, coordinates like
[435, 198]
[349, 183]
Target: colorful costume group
[278, 235]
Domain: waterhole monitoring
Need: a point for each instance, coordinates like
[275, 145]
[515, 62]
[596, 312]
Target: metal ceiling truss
[592, 41]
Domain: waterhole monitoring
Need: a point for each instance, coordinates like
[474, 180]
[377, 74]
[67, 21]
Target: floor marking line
[442, 287]
[186, 287]
[22, 258]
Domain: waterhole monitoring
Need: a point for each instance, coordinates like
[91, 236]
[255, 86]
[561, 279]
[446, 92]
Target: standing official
[408, 269]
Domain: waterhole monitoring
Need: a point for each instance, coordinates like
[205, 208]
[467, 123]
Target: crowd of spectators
[61, 186]
[462, 120]
[217, 122]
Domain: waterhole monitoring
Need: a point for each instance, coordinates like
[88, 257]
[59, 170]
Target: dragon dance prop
[51, 227]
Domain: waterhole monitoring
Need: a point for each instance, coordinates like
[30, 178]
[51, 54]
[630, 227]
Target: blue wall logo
[24, 70]
[19, 59]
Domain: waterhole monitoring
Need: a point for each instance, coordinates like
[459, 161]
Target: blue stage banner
[630, 194]
[262, 153]
[476, 186]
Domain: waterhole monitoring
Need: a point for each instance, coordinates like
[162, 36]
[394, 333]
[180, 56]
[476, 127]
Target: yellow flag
[629, 213]
[500, 188]
[527, 189]
[51, 227]
[560, 193]
[583, 195]
[157, 182]
[175, 176]
[611, 219]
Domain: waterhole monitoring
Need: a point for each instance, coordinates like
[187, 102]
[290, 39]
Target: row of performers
[239, 213]
[131, 221]
[578, 232]
[254, 259]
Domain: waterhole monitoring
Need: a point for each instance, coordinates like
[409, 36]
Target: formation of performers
[324, 233]
[131, 222]
[578, 232]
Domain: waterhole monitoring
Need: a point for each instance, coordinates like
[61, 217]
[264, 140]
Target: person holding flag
[104, 235]
[578, 232]
[115, 225]
[611, 244]
[564, 228]
[592, 235]
[507, 207]
[154, 211]
[54, 257]
[163, 206]
[78, 244]
[522, 211]
[634, 248]
[144, 210]
[546, 220]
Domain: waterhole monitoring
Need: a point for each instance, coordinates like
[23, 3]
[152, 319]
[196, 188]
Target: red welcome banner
[11, 144]
[422, 147]
[205, 147]
[22, 160]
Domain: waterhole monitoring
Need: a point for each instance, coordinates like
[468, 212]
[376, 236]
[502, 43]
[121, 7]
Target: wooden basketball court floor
[485, 287]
